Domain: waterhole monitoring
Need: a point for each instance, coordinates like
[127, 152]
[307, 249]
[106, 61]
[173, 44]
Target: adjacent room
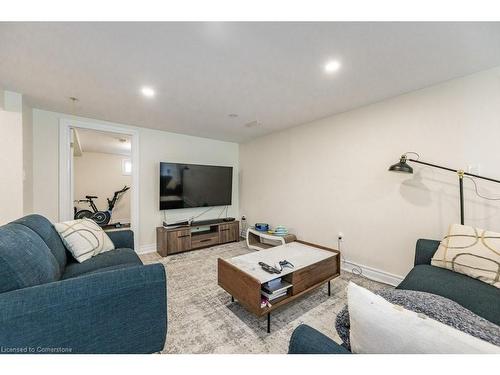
[250, 187]
[102, 177]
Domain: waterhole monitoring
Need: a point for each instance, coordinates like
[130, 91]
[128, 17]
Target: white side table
[262, 240]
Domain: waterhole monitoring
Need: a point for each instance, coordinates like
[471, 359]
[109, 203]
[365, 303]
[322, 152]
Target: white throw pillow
[378, 326]
[472, 251]
[84, 238]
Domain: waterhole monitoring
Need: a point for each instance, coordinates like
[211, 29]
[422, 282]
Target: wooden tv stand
[185, 238]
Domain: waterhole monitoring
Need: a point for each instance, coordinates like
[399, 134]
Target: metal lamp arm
[461, 175]
[454, 170]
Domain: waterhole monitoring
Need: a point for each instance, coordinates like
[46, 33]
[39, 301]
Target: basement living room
[250, 188]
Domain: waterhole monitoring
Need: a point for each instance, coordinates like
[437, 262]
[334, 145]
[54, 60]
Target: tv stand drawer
[180, 233]
[203, 241]
[316, 273]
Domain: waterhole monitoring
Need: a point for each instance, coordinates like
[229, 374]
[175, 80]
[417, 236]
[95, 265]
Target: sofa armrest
[122, 238]
[425, 251]
[306, 340]
[118, 311]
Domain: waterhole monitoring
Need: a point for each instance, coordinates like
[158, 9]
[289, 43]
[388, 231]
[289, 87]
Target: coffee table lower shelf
[246, 289]
[285, 300]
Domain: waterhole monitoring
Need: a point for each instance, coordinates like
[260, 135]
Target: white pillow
[84, 238]
[378, 326]
[472, 251]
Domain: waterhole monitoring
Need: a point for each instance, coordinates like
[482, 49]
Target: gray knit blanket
[435, 307]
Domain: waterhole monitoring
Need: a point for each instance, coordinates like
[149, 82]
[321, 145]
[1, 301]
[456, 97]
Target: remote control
[268, 268]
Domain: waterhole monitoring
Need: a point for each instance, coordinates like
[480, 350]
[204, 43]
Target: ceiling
[268, 73]
[104, 142]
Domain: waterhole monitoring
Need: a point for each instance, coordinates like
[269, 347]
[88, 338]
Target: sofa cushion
[378, 326]
[44, 228]
[472, 251]
[122, 238]
[25, 259]
[113, 258]
[478, 297]
[84, 238]
[436, 307]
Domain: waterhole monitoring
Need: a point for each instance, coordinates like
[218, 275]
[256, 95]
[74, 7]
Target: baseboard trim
[372, 273]
[347, 266]
[145, 249]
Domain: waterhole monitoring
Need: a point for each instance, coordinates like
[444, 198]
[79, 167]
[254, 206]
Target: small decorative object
[244, 227]
[262, 227]
[280, 230]
[264, 302]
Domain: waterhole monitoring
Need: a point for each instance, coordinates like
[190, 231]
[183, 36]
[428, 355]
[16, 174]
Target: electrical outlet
[474, 168]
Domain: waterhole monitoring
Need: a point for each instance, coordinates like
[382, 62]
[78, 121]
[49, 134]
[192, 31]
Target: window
[126, 167]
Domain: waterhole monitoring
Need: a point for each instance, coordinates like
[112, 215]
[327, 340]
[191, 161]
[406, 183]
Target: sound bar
[211, 221]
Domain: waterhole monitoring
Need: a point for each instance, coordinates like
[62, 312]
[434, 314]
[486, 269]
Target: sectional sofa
[477, 296]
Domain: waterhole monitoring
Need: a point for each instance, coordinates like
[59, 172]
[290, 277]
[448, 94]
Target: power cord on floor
[355, 270]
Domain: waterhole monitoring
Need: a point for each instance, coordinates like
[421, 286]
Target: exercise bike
[100, 217]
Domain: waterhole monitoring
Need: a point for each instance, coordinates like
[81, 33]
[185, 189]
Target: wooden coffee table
[242, 277]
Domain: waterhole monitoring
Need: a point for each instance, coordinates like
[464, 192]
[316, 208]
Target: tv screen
[191, 185]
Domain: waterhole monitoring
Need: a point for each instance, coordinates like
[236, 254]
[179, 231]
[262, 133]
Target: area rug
[202, 318]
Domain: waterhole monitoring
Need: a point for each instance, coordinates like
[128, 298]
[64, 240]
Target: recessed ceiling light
[253, 124]
[148, 92]
[332, 66]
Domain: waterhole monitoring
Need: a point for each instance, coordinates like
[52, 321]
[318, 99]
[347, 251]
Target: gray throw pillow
[435, 307]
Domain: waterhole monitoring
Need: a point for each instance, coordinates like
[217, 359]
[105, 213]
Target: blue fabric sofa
[475, 295]
[49, 303]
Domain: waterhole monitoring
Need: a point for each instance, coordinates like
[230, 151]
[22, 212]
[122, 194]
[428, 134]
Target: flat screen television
[192, 185]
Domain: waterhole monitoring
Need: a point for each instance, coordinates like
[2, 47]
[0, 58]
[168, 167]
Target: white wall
[11, 157]
[331, 176]
[159, 146]
[27, 114]
[155, 146]
[100, 175]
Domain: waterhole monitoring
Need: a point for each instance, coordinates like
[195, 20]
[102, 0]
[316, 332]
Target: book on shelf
[273, 287]
[274, 282]
[273, 296]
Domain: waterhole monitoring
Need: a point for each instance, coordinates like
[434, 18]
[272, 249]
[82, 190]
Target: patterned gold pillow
[84, 238]
[472, 251]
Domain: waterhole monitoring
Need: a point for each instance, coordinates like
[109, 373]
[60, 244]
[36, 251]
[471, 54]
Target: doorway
[99, 175]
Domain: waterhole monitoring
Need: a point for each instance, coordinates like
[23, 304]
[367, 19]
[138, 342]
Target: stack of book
[275, 289]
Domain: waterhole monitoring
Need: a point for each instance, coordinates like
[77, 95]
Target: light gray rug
[202, 318]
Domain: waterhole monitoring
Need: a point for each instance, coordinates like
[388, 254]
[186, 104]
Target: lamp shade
[401, 167]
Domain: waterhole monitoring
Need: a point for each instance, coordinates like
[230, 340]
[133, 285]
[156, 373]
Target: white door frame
[65, 173]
